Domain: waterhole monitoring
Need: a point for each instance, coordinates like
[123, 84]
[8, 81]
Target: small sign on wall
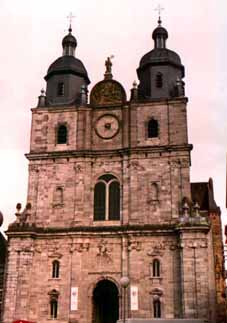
[134, 298]
[74, 299]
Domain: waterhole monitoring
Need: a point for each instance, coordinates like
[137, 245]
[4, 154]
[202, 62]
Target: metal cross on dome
[159, 9]
[70, 17]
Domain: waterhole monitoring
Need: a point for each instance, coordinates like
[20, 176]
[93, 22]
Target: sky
[31, 33]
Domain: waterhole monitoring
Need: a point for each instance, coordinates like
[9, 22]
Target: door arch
[105, 302]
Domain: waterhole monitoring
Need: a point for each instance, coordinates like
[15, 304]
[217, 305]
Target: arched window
[60, 89]
[159, 80]
[156, 268]
[157, 308]
[55, 269]
[100, 201]
[152, 128]
[53, 303]
[53, 308]
[62, 134]
[107, 198]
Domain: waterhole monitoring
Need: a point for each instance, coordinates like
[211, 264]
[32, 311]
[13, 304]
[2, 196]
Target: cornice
[112, 152]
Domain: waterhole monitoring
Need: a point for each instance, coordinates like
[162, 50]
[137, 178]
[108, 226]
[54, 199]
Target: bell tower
[66, 76]
[160, 71]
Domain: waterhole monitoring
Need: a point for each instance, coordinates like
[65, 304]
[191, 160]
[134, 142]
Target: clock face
[107, 126]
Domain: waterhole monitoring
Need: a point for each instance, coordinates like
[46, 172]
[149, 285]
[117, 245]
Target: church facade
[109, 201]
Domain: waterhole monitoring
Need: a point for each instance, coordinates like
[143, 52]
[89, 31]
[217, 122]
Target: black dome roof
[159, 56]
[69, 40]
[160, 31]
[65, 65]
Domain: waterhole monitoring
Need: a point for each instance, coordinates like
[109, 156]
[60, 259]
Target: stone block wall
[85, 259]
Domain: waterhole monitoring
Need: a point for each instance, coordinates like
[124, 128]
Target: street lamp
[124, 282]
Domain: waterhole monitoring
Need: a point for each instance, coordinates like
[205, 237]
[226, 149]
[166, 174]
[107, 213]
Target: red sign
[22, 321]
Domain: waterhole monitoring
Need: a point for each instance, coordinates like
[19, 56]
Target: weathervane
[70, 17]
[159, 9]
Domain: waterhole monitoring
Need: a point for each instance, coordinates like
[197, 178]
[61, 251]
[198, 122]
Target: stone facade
[67, 266]
[204, 194]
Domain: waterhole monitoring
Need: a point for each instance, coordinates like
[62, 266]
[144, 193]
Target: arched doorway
[105, 302]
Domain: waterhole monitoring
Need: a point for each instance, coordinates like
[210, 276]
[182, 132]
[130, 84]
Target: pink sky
[31, 34]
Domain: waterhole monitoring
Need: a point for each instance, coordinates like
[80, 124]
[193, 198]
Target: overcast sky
[31, 33]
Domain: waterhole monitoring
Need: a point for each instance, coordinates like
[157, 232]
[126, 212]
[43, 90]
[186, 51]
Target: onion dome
[66, 75]
[160, 35]
[160, 71]
[160, 32]
[69, 40]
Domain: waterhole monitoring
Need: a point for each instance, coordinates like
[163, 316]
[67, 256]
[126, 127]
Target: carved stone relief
[104, 251]
[157, 249]
[78, 168]
[134, 245]
[54, 250]
[134, 164]
[79, 247]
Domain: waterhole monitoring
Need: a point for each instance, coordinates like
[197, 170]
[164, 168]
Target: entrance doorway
[105, 302]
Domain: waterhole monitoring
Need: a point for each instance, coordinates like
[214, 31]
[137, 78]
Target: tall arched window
[152, 128]
[55, 269]
[156, 268]
[157, 308]
[53, 308]
[159, 80]
[54, 303]
[107, 198]
[62, 134]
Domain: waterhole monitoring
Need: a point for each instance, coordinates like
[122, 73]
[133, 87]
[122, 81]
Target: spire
[108, 74]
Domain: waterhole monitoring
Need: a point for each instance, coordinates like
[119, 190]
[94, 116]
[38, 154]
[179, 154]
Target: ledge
[113, 152]
[31, 229]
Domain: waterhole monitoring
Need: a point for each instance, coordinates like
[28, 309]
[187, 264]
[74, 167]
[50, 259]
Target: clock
[107, 126]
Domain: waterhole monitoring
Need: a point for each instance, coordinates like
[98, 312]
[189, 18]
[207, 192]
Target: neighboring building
[109, 196]
[2, 266]
[203, 193]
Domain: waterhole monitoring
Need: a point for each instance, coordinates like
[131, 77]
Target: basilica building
[113, 229]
